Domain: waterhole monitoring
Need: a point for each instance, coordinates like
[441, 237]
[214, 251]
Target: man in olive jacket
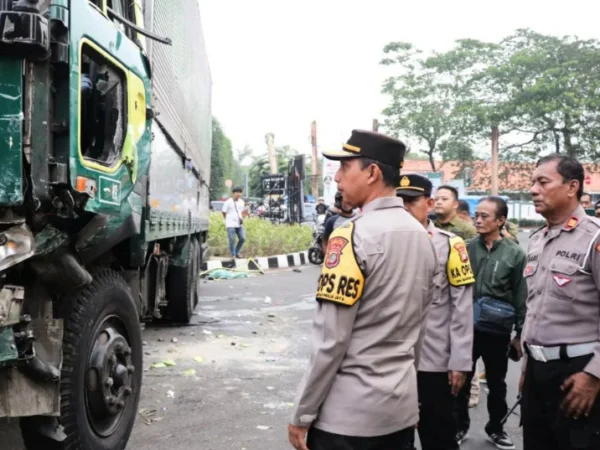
[498, 264]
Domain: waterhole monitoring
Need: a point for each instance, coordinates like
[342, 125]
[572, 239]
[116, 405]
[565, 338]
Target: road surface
[238, 366]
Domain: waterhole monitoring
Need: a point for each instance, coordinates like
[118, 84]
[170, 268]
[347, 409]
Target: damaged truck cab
[103, 205]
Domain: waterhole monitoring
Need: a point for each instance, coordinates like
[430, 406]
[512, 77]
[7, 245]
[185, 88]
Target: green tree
[224, 164]
[422, 103]
[539, 89]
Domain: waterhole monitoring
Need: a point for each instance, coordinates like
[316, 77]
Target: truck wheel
[101, 371]
[181, 288]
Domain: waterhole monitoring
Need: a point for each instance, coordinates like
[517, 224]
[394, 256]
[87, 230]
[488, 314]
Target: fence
[522, 210]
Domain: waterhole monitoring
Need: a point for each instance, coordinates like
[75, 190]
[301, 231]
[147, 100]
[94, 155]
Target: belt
[545, 354]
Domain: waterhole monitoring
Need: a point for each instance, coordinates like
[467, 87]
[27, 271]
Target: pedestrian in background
[560, 406]
[234, 212]
[499, 307]
[344, 211]
[446, 357]
[360, 389]
[446, 210]
[464, 211]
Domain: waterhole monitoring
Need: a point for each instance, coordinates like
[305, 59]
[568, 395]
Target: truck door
[109, 133]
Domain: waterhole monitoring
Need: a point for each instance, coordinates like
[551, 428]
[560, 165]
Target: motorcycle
[315, 252]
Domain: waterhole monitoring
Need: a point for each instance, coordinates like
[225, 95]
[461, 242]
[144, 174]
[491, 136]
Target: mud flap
[22, 396]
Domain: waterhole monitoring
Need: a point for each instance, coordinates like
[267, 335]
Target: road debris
[170, 394]
[268, 300]
[263, 427]
[150, 415]
[189, 372]
[174, 340]
[199, 359]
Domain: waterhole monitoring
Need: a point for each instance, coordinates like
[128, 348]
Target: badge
[560, 280]
[528, 271]
[571, 223]
[462, 251]
[334, 251]
[404, 182]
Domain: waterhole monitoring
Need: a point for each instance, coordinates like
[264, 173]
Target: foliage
[422, 105]
[540, 91]
[223, 164]
[263, 238]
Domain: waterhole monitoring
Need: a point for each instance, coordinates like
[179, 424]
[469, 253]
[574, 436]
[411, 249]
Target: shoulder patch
[446, 233]
[342, 280]
[459, 269]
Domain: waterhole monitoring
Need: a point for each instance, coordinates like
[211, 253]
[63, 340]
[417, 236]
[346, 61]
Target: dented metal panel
[11, 305]
[11, 131]
[21, 395]
[181, 79]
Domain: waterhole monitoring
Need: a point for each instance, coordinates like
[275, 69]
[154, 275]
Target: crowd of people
[408, 302]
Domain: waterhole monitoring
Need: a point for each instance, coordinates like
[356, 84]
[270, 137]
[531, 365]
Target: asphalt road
[237, 368]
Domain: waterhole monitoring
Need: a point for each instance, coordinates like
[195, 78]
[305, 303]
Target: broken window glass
[103, 113]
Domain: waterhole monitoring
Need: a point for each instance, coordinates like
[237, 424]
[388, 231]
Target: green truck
[105, 146]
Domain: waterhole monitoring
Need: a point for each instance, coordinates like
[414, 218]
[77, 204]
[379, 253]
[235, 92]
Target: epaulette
[445, 233]
[539, 229]
[594, 220]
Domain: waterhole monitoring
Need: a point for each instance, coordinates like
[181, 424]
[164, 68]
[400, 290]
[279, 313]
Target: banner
[329, 184]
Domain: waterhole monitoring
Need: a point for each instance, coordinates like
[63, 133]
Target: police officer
[561, 380]
[360, 390]
[446, 357]
[446, 210]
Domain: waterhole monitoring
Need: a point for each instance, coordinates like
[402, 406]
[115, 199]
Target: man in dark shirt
[498, 265]
[345, 213]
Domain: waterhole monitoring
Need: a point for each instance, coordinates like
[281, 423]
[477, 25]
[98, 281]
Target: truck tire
[181, 288]
[102, 368]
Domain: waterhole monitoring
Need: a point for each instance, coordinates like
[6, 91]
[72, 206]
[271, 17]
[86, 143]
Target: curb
[264, 263]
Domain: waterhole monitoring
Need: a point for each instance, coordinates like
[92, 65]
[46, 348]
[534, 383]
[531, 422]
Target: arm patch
[341, 280]
[459, 269]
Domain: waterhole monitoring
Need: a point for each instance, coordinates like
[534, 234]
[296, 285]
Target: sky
[277, 65]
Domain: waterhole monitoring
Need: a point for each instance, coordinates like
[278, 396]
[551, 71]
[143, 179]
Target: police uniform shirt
[448, 343]
[373, 295]
[563, 282]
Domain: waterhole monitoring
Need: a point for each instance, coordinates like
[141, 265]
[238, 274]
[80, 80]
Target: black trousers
[437, 424]
[544, 425]
[323, 440]
[493, 350]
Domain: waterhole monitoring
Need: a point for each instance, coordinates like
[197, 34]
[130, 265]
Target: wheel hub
[109, 380]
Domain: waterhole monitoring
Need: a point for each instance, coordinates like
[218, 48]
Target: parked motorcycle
[315, 252]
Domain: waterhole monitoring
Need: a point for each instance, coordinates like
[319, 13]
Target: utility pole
[316, 175]
[495, 139]
[270, 140]
[375, 125]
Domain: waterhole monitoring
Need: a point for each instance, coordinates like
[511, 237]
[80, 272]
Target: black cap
[368, 144]
[413, 185]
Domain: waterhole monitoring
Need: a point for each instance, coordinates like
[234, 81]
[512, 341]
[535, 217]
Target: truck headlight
[16, 245]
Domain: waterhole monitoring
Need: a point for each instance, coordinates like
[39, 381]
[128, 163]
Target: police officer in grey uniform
[360, 389]
[561, 336]
[446, 357]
